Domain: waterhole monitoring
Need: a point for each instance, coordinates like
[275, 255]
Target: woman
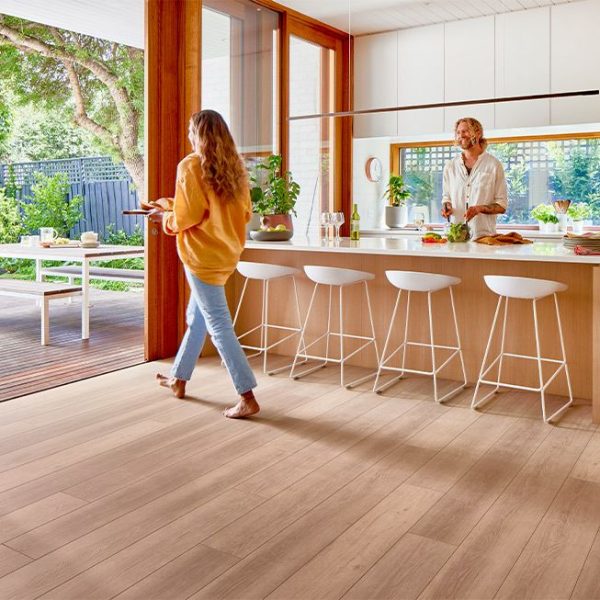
[209, 215]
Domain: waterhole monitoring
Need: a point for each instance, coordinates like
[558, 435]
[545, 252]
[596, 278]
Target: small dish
[90, 244]
[271, 236]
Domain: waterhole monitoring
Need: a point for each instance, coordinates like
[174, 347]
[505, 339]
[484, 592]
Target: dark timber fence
[105, 186]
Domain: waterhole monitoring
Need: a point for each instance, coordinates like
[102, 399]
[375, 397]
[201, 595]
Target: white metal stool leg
[432, 347]
[383, 360]
[475, 403]
[458, 342]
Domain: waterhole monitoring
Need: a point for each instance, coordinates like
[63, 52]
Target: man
[474, 179]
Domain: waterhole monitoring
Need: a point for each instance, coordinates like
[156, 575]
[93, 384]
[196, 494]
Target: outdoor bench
[106, 273]
[43, 292]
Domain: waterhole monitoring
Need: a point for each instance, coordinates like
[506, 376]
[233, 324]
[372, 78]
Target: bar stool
[527, 289]
[340, 278]
[413, 281]
[266, 273]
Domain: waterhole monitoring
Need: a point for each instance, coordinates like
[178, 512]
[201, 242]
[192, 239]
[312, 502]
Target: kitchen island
[579, 305]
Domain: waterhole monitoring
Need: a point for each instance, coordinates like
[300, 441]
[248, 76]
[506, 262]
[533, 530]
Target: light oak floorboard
[481, 563]
[403, 571]
[550, 563]
[124, 491]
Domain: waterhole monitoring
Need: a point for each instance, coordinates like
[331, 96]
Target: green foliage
[40, 133]
[122, 238]
[579, 211]
[33, 69]
[50, 206]
[421, 186]
[5, 126]
[11, 227]
[273, 194]
[577, 175]
[396, 191]
[544, 213]
[11, 188]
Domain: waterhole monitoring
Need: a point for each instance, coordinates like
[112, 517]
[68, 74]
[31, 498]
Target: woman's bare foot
[246, 407]
[177, 386]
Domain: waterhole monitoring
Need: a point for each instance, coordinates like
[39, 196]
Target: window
[537, 172]
[239, 72]
[310, 140]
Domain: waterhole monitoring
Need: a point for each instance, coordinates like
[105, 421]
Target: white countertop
[548, 251]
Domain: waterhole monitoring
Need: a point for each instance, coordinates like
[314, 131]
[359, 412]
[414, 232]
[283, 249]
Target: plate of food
[433, 238]
[61, 243]
[458, 232]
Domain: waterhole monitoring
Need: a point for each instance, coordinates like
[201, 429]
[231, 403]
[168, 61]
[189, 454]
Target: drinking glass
[325, 223]
[337, 220]
[419, 220]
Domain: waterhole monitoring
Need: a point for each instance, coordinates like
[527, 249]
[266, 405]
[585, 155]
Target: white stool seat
[336, 275]
[523, 287]
[411, 282]
[266, 273]
[263, 271]
[339, 278]
[414, 281]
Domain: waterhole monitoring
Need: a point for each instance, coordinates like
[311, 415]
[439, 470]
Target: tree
[104, 82]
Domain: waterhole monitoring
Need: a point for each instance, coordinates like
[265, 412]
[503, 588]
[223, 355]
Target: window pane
[537, 172]
[239, 61]
[310, 140]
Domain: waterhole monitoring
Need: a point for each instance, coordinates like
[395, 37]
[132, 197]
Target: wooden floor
[116, 341]
[111, 488]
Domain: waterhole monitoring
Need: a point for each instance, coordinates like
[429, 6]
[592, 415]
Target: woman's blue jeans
[207, 312]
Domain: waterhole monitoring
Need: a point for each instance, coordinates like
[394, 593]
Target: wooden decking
[112, 488]
[116, 341]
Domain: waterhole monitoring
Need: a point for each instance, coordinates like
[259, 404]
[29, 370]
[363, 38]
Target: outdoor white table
[72, 254]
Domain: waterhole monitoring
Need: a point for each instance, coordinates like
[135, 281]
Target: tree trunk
[135, 168]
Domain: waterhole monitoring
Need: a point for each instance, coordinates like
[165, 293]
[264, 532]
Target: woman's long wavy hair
[222, 166]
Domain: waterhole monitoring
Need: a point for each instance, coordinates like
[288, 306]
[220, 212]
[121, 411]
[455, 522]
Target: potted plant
[273, 194]
[578, 213]
[396, 193]
[546, 217]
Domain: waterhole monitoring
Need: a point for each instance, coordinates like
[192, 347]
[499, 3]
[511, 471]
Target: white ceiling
[123, 20]
[361, 17]
[115, 20]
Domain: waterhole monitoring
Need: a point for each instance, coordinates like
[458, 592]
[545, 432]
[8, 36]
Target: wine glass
[419, 219]
[325, 222]
[337, 220]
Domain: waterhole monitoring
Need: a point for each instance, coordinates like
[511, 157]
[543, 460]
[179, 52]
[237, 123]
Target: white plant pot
[396, 216]
[578, 226]
[548, 227]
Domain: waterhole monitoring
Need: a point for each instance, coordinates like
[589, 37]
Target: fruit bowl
[261, 235]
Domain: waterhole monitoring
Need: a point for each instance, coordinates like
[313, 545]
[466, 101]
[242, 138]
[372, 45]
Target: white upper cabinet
[468, 71]
[421, 78]
[523, 67]
[575, 61]
[376, 83]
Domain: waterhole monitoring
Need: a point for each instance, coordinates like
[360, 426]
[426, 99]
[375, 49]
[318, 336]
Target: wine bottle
[355, 224]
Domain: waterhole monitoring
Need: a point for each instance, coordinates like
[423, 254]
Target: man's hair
[221, 165]
[475, 130]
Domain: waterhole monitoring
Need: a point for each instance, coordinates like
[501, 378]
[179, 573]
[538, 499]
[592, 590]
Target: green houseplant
[546, 217]
[273, 194]
[397, 193]
[578, 213]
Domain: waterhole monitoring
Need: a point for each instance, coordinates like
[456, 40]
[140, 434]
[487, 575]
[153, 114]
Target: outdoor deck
[116, 341]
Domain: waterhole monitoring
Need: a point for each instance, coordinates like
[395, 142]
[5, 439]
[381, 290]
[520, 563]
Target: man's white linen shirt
[485, 184]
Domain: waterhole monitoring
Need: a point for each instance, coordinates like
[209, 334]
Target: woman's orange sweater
[210, 231]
